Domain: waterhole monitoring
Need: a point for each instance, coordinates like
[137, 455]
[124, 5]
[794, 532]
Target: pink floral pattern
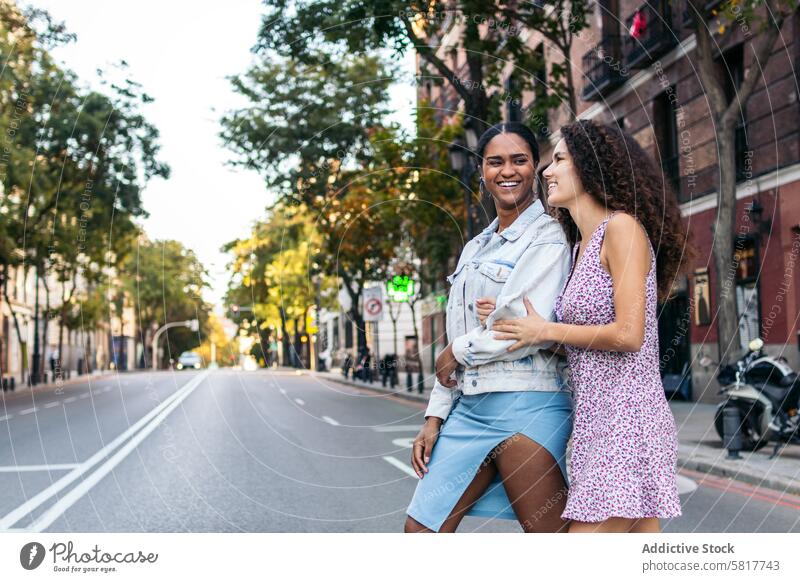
[624, 441]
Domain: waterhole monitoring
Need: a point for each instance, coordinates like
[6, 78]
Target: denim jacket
[532, 258]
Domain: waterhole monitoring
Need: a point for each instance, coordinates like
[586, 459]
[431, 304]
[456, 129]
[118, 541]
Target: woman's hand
[527, 331]
[423, 444]
[446, 364]
[484, 306]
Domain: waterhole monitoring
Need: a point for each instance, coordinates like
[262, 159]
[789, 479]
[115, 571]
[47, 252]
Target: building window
[665, 107]
[512, 98]
[745, 257]
[702, 298]
[650, 32]
[602, 64]
[348, 334]
[730, 67]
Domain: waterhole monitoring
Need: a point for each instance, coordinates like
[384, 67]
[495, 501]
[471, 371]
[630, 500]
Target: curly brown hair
[615, 170]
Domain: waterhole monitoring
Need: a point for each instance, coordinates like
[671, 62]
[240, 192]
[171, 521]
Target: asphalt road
[266, 451]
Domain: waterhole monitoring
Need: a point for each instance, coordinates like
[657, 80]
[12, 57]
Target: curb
[738, 471]
[402, 393]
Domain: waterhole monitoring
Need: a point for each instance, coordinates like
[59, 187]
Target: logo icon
[31, 555]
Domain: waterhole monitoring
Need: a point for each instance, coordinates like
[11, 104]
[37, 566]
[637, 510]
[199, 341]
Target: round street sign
[373, 306]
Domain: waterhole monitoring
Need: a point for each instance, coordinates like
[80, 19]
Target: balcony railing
[651, 31]
[603, 68]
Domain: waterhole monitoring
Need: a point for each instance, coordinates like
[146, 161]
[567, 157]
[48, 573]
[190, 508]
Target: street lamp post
[192, 324]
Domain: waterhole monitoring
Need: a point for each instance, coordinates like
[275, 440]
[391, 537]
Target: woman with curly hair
[616, 209]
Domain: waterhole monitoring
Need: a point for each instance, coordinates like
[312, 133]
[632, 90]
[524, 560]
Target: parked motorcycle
[766, 393]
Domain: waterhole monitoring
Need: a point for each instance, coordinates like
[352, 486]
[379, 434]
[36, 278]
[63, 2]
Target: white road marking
[401, 465]
[26, 508]
[6, 417]
[56, 510]
[300, 401]
[70, 399]
[97, 391]
[85, 395]
[52, 404]
[397, 428]
[21, 468]
[329, 420]
[29, 410]
[685, 485]
[107, 388]
[283, 391]
[406, 442]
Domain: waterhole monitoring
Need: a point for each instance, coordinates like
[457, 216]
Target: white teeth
[509, 184]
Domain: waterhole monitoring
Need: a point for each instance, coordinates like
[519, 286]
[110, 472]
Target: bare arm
[628, 255]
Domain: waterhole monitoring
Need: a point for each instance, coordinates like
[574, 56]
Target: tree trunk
[411, 304]
[394, 317]
[285, 339]
[46, 321]
[22, 344]
[296, 350]
[37, 349]
[355, 296]
[62, 315]
[723, 247]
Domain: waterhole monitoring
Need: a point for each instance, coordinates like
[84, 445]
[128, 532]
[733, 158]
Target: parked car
[190, 361]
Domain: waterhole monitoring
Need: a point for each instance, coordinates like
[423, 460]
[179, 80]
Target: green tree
[760, 21]
[165, 281]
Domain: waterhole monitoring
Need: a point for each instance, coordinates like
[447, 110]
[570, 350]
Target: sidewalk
[699, 447]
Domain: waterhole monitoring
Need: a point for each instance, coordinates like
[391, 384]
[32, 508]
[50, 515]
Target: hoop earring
[482, 187]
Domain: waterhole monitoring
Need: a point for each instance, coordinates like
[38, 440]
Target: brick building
[649, 85]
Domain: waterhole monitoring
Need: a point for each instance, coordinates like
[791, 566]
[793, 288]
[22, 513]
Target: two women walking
[580, 281]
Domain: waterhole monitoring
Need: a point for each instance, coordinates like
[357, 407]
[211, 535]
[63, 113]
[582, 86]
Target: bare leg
[533, 482]
[481, 481]
[617, 525]
[647, 525]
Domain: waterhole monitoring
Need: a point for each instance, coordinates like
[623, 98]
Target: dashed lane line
[397, 428]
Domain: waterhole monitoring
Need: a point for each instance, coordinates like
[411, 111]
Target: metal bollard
[731, 424]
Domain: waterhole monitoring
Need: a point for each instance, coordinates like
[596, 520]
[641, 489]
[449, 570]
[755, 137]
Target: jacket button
[474, 382]
[470, 306]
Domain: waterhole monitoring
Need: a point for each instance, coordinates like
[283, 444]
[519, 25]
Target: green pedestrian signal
[400, 288]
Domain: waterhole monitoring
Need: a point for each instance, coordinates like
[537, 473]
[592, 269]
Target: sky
[182, 52]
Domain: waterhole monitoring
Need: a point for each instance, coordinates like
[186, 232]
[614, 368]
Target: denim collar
[517, 227]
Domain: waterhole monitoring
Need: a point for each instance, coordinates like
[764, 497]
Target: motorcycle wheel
[752, 439]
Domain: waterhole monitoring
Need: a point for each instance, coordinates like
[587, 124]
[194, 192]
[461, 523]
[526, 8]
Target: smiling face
[509, 171]
[563, 184]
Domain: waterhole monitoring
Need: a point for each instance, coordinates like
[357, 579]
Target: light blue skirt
[476, 425]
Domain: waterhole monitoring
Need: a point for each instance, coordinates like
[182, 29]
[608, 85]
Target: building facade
[633, 66]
